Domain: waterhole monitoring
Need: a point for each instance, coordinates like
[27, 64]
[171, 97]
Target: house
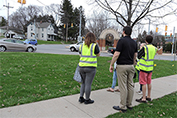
[41, 31]
[11, 33]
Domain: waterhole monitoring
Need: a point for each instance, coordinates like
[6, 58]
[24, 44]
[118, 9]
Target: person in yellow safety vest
[138, 70]
[89, 51]
[146, 63]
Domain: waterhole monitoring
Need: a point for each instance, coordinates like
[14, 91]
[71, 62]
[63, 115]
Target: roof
[18, 31]
[43, 25]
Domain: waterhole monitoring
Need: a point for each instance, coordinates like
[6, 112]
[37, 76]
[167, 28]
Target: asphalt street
[64, 49]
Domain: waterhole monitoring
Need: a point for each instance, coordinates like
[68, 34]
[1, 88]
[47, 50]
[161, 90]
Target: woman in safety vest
[89, 51]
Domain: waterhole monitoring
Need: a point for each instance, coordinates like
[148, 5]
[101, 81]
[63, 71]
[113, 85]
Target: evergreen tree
[66, 17]
[83, 22]
[3, 22]
[70, 16]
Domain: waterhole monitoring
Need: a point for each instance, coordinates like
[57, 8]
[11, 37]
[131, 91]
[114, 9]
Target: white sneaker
[140, 93]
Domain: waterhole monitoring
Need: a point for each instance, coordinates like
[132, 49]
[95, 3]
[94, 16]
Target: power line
[41, 2]
[8, 7]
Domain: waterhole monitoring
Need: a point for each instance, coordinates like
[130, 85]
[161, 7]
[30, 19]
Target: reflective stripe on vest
[88, 57]
[137, 66]
[147, 63]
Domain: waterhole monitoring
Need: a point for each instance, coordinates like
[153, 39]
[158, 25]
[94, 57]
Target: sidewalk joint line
[78, 108]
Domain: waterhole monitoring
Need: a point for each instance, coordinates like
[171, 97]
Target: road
[64, 49]
[61, 49]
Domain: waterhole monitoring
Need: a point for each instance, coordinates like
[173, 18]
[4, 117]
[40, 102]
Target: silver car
[13, 44]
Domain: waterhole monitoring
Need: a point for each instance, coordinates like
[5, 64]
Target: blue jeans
[114, 79]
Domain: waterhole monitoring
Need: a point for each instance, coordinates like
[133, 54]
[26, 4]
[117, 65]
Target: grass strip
[164, 107]
[31, 77]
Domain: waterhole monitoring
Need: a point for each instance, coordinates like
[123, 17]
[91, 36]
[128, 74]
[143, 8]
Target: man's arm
[98, 54]
[114, 58]
[134, 60]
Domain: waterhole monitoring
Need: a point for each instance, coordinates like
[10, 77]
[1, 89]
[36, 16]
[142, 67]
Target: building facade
[41, 31]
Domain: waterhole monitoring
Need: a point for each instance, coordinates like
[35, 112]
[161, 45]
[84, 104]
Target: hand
[111, 68]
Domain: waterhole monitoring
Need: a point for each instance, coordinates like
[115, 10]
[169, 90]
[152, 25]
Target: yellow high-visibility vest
[137, 65]
[88, 57]
[146, 63]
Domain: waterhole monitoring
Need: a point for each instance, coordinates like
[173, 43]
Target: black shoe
[130, 108]
[140, 100]
[118, 108]
[81, 99]
[89, 101]
[148, 99]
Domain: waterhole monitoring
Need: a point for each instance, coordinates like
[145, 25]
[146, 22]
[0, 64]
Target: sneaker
[140, 93]
[137, 91]
[81, 99]
[118, 108]
[89, 101]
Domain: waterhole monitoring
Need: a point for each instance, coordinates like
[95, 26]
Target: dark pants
[87, 75]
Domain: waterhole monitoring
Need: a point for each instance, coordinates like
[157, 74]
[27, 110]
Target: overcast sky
[171, 20]
[16, 5]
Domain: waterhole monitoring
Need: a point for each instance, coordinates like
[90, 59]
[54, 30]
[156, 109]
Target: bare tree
[99, 22]
[130, 12]
[21, 16]
[54, 9]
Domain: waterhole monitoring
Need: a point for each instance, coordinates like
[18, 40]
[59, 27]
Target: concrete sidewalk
[69, 107]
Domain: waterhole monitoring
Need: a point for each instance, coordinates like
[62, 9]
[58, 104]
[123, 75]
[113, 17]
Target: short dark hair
[149, 38]
[127, 30]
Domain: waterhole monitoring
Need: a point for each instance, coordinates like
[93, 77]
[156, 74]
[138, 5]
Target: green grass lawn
[55, 42]
[164, 107]
[31, 77]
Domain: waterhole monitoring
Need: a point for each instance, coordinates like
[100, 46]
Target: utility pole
[66, 31]
[79, 37]
[173, 41]
[149, 26]
[34, 29]
[8, 7]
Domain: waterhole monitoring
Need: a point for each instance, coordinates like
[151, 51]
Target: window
[31, 34]
[37, 35]
[8, 40]
[42, 29]
[42, 35]
[18, 41]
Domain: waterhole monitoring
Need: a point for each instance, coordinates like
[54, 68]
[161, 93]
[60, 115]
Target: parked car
[75, 47]
[111, 50]
[31, 41]
[14, 44]
[18, 37]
